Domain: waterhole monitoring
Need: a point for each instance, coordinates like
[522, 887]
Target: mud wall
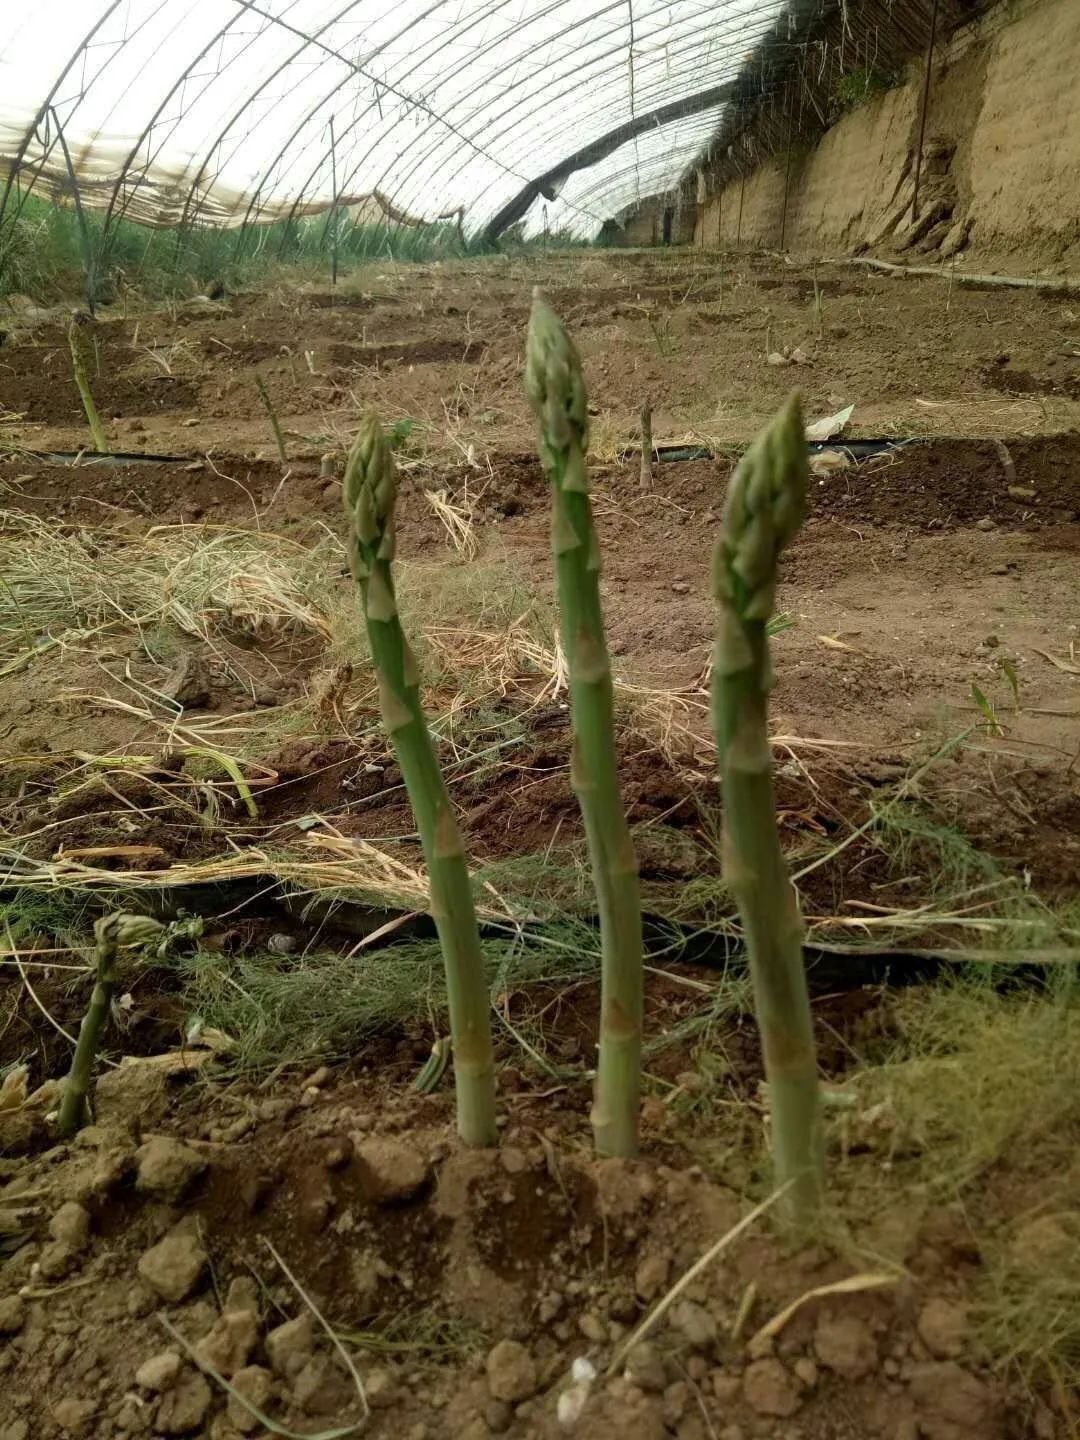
[1001, 161]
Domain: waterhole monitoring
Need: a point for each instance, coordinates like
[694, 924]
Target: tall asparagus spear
[763, 508]
[112, 933]
[370, 493]
[81, 346]
[556, 390]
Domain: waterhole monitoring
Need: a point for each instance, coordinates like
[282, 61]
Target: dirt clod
[645, 1368]
[188, 684]
[172, 1268]
[943, 1328]
[770, 1389]
[184, 1406]
[396, 1171]
[652, 1274]
[74, 1415]
[70, 1226]
[320, 1388]
[289, 1346]
[12, 1314]
[954, 1404]
[694, 1323]
[56, 1260]
[229, 1344]
[511, 1372]
[166, 1167]
[255, 1384]
[160, 1372]
[843, 1343]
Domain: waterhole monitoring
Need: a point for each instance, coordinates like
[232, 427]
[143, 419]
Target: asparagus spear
[370, 490]
[556, 390]
[112, 933]
[80, 346]
[763, 508]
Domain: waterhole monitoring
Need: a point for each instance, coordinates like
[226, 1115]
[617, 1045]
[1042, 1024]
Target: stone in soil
[166, 1167]
[255, 1384]
[159, 1372]
[769, 1389]
[511, 1372]
[70, 1226]
[183, 1407]
[173, 1267]
[943, 1328]
[953, 1404]
[289, 1346]
[396, 1171]
[843, 1343]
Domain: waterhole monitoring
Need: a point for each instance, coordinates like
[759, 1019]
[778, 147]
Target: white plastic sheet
[221, 109]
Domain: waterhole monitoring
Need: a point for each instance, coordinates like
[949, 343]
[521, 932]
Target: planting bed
[188, 723]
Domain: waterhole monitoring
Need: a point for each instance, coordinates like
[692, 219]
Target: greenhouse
[540, 719]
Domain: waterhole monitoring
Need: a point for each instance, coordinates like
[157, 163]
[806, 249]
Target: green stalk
[76, 335]
[370, 492]
[763, 508]
[275, 424]
[556, 390]
[112, 933]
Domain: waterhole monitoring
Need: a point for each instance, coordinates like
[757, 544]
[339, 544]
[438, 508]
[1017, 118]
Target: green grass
[43, 250]
[282, 1010]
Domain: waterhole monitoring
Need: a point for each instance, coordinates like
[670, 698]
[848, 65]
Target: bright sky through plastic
[435, 105]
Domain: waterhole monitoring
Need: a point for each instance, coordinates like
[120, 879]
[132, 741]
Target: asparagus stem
[370, 492]
[275, 425]
[76, 334]
[111, 934]
[646, 446]
[556, 391]
[763, 509]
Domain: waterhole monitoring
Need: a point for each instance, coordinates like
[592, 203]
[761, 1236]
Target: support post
[924, 106]
[738, 223]
[333, 209]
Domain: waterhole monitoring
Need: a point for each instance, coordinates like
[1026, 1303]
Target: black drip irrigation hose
[857, 449]
[662, 454]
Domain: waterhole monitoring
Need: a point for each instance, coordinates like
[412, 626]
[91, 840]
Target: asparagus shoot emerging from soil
[80, 346]
[556, 391]
[275, 424]
[370, 492]
[763, 508]
[646, 446]
[112, 933]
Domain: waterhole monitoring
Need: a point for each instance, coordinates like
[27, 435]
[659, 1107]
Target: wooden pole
[924, 106]
[738, 223]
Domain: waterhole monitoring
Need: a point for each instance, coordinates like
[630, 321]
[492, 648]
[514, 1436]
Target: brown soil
[919, 572]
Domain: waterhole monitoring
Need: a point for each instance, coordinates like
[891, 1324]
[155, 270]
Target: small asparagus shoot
[763, 508]
[112, 933]
[556, 391]
[645, 481]
[80, 344]
[275, 424]
[370, 491]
